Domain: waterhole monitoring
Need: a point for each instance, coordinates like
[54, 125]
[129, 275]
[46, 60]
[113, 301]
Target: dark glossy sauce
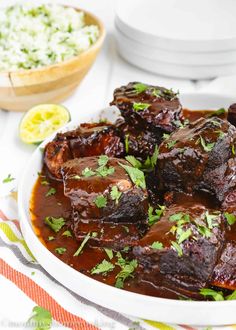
[58, 205]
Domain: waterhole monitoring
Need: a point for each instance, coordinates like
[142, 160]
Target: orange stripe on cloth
[187, 327]
[2, 216]
[43, 299]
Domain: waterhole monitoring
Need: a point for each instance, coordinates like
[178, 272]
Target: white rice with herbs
[37, 36]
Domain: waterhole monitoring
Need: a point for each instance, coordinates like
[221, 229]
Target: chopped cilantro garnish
[41, 318]
[135, 175]
[206, 146]
[9, 178]
[230, 217]
[150, 162]
[126, 229]
[176, 216]
[220, 133]
[218, 112]
[103, 160]
[204, 231]
[157, 245]
[134, 161]
[67, 233]
[127, 269]
[55, 223]
[51, 192]
[105, 171]
[60, 250]
[115, 194]
[165, 136]
[171, 144]
[177, 248]
[183, 235]
[140, 106]
[153, 218]
[100, 201]
[139, 88]
[109, 252]
[44, 182]
[233, 149]
[51, 238]
[76, 177]
[127, 143]
[210, 220]
[103, 268]
[85, 240]
[232, 296]
[87, 172]
[216, 295]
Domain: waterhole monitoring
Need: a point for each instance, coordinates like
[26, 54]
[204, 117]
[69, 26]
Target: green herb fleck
[216, 295]
[171, 144]
[140, 106]
[126, 229]
[210, 220]
[87, 172]
[103, 268]
[183, 235]
[157, 245]
[136, 176]
[230, 217]
[51, 192]
[165, 136]
[100, 201]
[55, 223]
[206, 146]
[153, 218]
[67, 233]
[85, 240]
[41, 319]
[51, 238]
[76, 177]
[140, 88]
[232, 296]
[218, 112]
[109, 252]
[60, 250]
[103, 160]
[233, 149]
[134, 161]
[44, 182]
[177, 248]
[127, 269]
[9, 178]
[105, 171]
[127, 143]
[115, 194]
[204, 231]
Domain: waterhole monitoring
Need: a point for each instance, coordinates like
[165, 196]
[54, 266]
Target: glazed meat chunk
[86, 140]
[181, 250]
[91, 188]
[199, 157]
[231, 117]
[152, 108]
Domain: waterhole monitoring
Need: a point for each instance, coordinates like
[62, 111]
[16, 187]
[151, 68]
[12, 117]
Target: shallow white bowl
[152, 308]
[175, 57]
[180, 25]
[175, 70]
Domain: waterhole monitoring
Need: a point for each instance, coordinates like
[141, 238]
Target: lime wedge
[41, 121]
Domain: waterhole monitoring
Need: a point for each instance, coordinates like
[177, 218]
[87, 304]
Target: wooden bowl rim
[96, 45]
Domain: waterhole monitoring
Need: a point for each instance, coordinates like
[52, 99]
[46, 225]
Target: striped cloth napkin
[24, 284]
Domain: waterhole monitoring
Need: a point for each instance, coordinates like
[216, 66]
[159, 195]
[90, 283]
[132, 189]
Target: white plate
[152, 308]
[181, 25]
[174, 57]
[175, 70]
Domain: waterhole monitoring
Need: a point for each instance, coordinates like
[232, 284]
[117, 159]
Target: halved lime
[41, 121]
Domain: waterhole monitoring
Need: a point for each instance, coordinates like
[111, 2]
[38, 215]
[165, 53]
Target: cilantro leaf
[134, 161]
[157, 245]
[136, 176]
[115, 194]
[165, 136]
[100, 201]
[75, 177]
[140, 106]
[183, 235]
[127, 269]
[171, 144]
[60, 250]
[51, 192]
[104, 170]
[127, 143]
[9, 178]
[232, 296]
[41, 319]
[103, 268]
[216, 295]
[109, 252]
[206, 146]
[55, 223]
[51, 238]
[103, 160]
[153, 218]
[140, 88]
[67, 233]
[218, 112]
[210, 220]
[230, 217]
[177, 248]
[233, 149]
[85, 240]
[87, 172]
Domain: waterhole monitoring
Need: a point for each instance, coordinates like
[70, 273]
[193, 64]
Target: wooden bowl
[20, 90]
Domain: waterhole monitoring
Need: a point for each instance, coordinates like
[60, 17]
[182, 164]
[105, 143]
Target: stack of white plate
[180, 38]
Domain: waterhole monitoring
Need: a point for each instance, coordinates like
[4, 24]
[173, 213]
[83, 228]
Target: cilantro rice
[37, 36]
